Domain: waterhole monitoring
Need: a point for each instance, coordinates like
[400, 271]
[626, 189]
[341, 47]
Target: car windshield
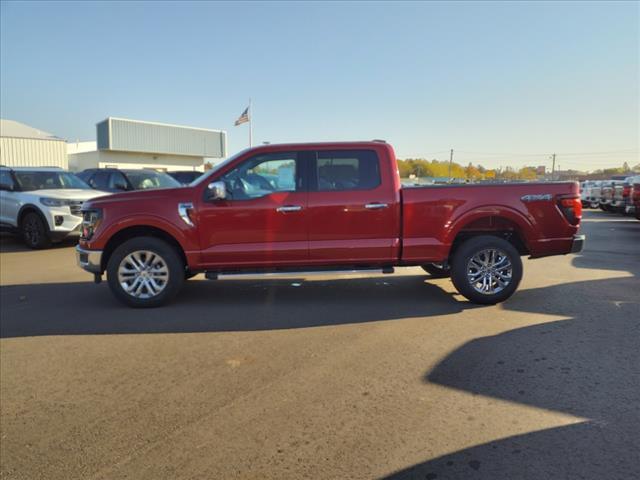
[145, 179]
[29, 181]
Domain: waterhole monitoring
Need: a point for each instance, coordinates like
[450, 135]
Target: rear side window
[339, 170]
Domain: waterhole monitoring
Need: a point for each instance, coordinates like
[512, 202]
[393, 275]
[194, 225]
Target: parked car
[590, 193]
[610, 199]
[635, 196]
[185, 177]
[596, 193]
[43, 205]
[319, 207]
[606, 195]
[628, 206]
[621, 188]
[627, 194]
[122, 180]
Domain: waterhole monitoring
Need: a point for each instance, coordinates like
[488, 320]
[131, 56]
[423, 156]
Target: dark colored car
[185, 177]
[116, 180]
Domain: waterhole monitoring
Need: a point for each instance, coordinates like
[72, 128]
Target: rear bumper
[89, 260]
[578, 243]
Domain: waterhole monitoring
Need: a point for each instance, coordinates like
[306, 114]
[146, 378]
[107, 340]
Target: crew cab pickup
[324, 207]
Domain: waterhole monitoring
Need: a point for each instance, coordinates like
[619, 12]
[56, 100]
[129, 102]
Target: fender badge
[537, 198]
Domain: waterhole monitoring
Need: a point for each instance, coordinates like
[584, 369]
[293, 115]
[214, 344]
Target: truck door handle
[375, 206]
[289, 208]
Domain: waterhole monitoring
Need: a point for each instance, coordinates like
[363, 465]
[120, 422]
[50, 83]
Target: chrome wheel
[489, 271]
[143, 274]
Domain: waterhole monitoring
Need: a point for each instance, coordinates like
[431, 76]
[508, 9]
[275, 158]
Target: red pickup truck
[324, 207]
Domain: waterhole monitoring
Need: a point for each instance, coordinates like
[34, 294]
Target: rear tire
[483, 277]
[437, 270]
[35, 232]
[145, 272]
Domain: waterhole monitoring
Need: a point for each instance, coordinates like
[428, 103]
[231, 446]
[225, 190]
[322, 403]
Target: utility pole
[450, 164]
[553, 167]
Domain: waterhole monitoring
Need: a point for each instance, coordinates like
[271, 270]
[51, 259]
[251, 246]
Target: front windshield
[30, 181]
[145, 179]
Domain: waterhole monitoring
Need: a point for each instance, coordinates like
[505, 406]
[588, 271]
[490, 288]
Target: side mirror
[216, 191]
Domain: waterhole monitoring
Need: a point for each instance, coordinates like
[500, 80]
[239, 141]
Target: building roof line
[164, 124]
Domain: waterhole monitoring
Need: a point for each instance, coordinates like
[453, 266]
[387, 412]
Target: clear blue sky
[494, 78]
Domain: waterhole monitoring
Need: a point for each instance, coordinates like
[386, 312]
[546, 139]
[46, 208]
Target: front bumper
[89, 260]
[578, 243]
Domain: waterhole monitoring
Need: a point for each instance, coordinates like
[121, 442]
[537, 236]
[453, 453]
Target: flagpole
[250, 125]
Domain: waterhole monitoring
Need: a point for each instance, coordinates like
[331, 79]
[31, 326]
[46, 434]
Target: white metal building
[123, 143]
[25, 146]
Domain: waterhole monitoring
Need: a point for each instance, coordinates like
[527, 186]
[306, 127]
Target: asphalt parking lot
[325, 377]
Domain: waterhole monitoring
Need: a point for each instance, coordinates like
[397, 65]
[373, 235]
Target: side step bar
[288, 273]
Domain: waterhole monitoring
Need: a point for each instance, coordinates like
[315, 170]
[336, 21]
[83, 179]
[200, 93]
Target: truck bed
[433, 215]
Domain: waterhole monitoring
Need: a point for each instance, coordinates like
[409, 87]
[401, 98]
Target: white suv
[42, 204]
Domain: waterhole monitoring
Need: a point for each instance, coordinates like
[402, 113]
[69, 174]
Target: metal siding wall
[164, 139]
[102, 135]
[28, 152]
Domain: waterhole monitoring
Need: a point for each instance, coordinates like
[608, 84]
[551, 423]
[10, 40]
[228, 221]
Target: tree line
[418, 167]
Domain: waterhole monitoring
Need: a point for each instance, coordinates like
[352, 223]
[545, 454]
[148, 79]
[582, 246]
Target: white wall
[32, 152]
[81, 147]
[104, 159]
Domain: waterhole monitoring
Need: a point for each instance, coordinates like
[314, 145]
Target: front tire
[145, 272]
[35, 232]
[486, 269]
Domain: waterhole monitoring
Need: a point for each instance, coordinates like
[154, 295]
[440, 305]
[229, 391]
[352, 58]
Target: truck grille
[76, 208]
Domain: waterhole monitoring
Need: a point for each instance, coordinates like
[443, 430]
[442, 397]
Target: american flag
[244, 118]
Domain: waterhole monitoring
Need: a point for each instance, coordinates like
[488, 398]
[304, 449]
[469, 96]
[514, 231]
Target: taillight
[572, 209]
[626, 190]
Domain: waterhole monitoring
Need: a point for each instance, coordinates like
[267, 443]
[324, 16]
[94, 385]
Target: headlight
[53, 202]
[90, 221]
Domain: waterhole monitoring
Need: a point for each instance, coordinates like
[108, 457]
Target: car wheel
[145, 272]
[438, 270]
[486, 269]
[594, 205]
[34, 231]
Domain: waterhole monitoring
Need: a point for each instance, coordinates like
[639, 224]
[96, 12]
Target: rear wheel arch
[511, 228]
[128, 233]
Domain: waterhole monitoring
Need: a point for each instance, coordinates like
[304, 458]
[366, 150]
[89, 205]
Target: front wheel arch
[139, 231]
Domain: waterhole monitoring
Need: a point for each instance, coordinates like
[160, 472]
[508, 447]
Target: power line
[546, 154]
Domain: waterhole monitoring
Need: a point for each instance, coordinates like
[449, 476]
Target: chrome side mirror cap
[217, 191]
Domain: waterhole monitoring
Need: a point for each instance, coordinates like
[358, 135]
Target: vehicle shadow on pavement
[224, 305]
[587, 366]
[11, 244]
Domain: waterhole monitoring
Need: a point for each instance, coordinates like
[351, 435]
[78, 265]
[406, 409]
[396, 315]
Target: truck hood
[159, 194]
[80, 194]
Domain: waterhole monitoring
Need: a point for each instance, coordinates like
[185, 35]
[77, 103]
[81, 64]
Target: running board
[288, 273]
